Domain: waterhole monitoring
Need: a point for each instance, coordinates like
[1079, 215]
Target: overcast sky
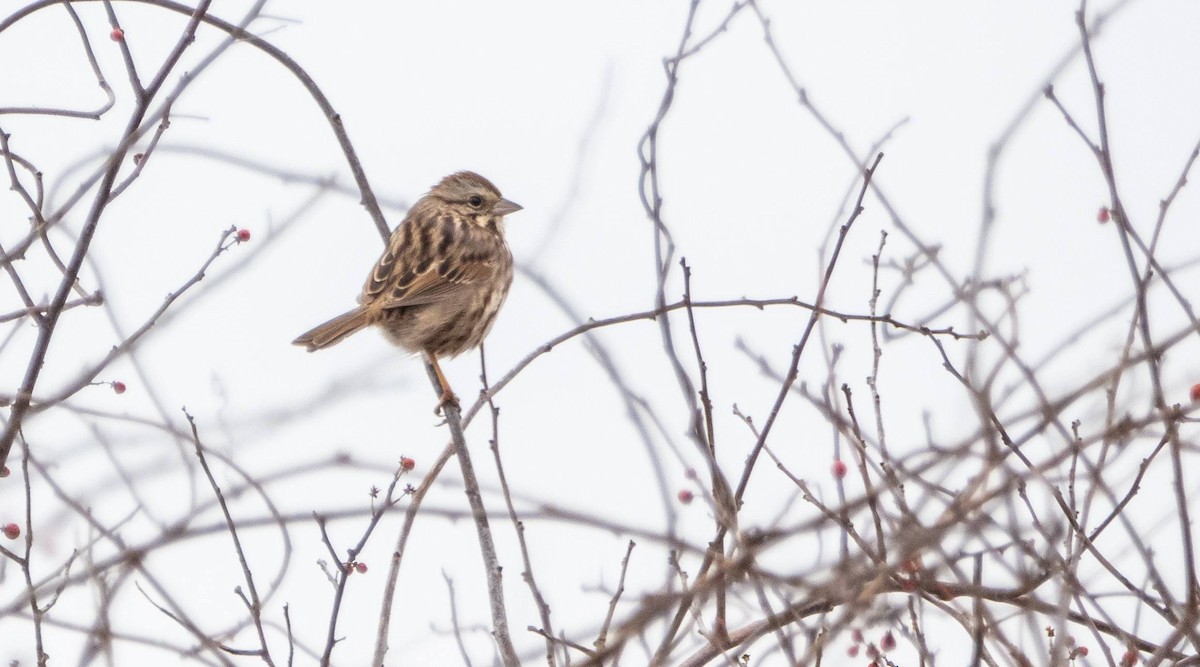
[549, 100]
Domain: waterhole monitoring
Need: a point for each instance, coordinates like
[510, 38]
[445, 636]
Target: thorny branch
[1017, 535]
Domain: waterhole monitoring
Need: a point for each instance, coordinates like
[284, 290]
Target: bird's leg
[447, 397]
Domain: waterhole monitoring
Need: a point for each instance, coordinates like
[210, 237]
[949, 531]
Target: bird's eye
[476, 201]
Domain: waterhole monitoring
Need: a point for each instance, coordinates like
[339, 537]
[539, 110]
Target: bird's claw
[447, 398]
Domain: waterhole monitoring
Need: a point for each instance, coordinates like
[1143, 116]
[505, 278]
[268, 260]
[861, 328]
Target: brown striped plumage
[441, 280]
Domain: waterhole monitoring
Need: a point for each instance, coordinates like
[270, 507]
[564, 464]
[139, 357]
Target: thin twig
[543, 608]
[254, 604]
[602, 638]
[487, 548]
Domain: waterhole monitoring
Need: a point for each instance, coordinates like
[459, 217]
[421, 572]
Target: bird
[441, 280]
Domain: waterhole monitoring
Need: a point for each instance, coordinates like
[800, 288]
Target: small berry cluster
[11, 530]
[877, 653]
[685, 495]
[1076, 651]
[354, 566]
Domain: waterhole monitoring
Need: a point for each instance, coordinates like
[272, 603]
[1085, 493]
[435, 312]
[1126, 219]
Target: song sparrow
[441, 280]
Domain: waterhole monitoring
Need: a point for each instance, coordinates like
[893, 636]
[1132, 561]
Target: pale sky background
[549, 101]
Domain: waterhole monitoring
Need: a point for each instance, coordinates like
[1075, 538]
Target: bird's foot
[447, 398]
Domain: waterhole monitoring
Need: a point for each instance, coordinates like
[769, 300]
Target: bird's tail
[334, 331]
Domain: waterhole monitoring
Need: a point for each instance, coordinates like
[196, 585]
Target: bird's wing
[427, 259]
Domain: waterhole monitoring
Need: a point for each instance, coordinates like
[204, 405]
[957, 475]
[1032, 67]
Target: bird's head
[474, 197]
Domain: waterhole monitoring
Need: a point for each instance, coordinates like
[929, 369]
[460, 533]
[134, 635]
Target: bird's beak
[504, 207]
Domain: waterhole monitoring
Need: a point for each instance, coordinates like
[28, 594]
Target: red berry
[118, 387]
[686, 496]
[1196, 392]
[1129, 659]
[12, 531]
[1082, 651]
[856, 635]
[852, 651]
[361, 567]
[4, 472]
[243, 235]
[1102, 216]
[407, 463]
[117, 35]
[888, 641]
[839, 468]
